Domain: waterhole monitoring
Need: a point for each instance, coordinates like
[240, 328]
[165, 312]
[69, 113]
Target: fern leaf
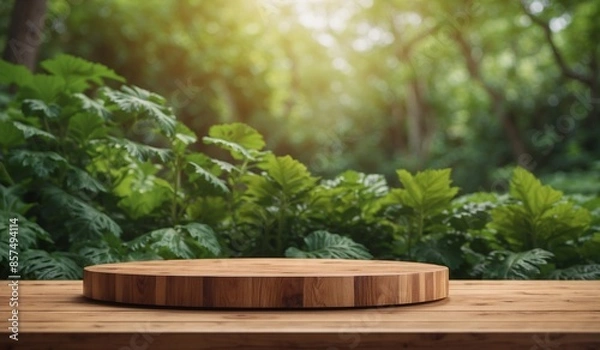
[204, 236]
[140, 151]
[579, 272]
[84, 220]
[31, 131]
[139, 101]
[39, 164]
[42, 265]
[209, 177]
[78, 179]
[40, 109]
[325, 245]
[511, 265]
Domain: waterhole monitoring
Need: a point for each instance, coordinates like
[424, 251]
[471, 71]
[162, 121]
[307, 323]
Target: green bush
[95, 172]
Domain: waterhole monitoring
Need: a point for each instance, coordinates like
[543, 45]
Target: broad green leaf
[579, 272]
[535, 197]
[11, 73]
[183, 137]
[39, 164]
[290, 175]
[140, 151]
[82, 219]
[141, 191]
[77, 72]
[428, 192]
[510, 265]
[142, 102]
[237, 151]
[30, 233]
[200, 164]
[204, 236]
[325, 245]
[45, 87]
[10, 199]
[31, 131]
[92, 106]
[40, 109]
[540, 218]
[442, 249]
[107, 250]
[78, 179]
[238, 133]
[42, 265]
[10, 135]
[167, 242]
[85, 127]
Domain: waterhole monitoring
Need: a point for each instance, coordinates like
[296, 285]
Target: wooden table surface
[533, 315]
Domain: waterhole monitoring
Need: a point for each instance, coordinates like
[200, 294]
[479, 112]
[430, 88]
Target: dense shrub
[98, 174]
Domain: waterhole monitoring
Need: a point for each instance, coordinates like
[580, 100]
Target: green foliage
[510, 265]
[540, 218]
[96, 175]
[325, 245]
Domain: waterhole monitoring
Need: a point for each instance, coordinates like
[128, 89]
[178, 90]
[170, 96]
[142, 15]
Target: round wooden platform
[266, 283]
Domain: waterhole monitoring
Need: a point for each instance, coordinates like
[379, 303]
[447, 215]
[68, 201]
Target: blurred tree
[25, 33]
[372, 85]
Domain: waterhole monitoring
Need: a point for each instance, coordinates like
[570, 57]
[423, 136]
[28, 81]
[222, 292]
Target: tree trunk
[26, 32]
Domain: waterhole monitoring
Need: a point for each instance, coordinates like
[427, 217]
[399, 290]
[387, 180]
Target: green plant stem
[6, 175]
[419, 234]
[281, 226]
[176, 185]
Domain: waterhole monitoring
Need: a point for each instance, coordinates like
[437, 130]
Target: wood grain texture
[266, 283]
[540, 315]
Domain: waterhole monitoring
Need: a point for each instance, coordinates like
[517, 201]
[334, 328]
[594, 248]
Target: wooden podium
[266, 283]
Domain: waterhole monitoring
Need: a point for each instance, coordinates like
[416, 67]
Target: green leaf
[31, 131]
[167, 242]
[183, 137]
[95, 107]
[107, 250]
[39, 164]
[510, 265]
[579, 272]
[10, 199]
[325, 245]
[40, 109]
[77, 72]
[30, 233]
[204, 236]
[199, 164]
[535, 197]
[140, 151]
[238, 133]
[148, 104]
[45, 87]
[442, 249]
[10, 135]
[84, 127]
[141, 191]
[11, 73]
[428, 192]
[540, 218]
[78, 180]
[290, 175]
[83, 220]
[42, 265]
[237, 151]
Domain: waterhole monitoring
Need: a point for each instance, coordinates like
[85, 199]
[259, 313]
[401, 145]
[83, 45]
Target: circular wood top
[266, 283]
